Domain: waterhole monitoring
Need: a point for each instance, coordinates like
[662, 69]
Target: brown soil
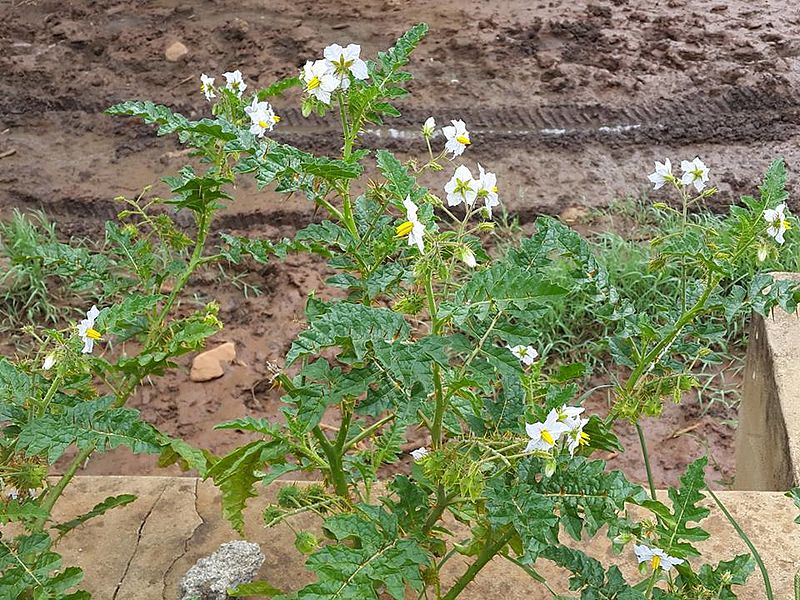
[568, 101]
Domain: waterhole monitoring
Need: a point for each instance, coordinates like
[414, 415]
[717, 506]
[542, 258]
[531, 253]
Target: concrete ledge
[768, 436]
[140, 551]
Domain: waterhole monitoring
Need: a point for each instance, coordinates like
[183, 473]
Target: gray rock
[232, 564]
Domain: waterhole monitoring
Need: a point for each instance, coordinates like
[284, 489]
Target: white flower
[319, 80]
[657, 558]
[662, 174]
[346, 61]
[575, 435]
[778, 224]
[544, 435]
[468, 257]
[262, 116]
[49, 361]
[487, 189]
[207, 86]
[429, 127]
[412, 227]
[695, 172]
[419, 453]
[461, 188]
[234, 82]
[12, 493]
[457, 137]
[526, 354]
[87, 332]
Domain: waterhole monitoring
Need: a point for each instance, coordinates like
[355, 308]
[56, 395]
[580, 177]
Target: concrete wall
[768, 436]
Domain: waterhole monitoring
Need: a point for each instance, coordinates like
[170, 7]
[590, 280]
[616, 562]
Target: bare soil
[568, 101]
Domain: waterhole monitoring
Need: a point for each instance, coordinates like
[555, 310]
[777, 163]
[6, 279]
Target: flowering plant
[429, 331]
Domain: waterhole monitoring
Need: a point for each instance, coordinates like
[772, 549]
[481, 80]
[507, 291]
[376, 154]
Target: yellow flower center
[404, 229]
[655, 562]
[494, 189]
[786, 224]
[547, 437]
[462, 139]
[314, 83]
[263, 124]
[584, 439]
[93, 334]
[276, 118]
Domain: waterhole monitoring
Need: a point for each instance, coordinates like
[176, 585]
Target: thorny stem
[486, 554]
[646, 456]
[54, 493]
[651, 584]
[334, 463]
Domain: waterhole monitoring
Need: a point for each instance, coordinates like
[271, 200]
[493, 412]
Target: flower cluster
[262, 116]
[695, 173]
[324, 76]
[564, 422]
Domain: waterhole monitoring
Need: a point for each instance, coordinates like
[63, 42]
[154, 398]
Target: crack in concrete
[186, 541]
[138, 539]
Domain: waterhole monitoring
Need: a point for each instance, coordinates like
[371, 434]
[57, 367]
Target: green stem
[334, 463]
[369, 431]
[54, 493]
[651, 357]
[485, 555]
[746, 540]
[646, 456]
[442, 502]
[651, 584]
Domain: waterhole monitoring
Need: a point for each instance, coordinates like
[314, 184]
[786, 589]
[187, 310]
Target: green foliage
[423, 338]
[673, 532]
[376, 558]
[28, 567]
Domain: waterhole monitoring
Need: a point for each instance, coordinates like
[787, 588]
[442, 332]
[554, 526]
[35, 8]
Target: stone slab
[768, 436]
[141, 551]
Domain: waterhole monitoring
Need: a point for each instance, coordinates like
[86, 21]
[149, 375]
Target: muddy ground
[568, 101]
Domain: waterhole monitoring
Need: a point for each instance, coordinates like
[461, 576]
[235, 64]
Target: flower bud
[467, 256]
[306, 542]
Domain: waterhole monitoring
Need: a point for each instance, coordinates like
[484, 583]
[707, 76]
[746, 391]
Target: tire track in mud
[740, 115]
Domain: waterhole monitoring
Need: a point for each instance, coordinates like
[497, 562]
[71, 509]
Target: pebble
[208, 365]
[175, 52]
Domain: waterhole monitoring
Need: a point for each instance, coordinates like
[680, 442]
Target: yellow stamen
[494, 189]
[547, 437]
[93, 334]
[263, 124]
[314, 83]
[584, 439]
[276, 118]
[404, 229]
[655, 562]
[462, 139]
[786, 224]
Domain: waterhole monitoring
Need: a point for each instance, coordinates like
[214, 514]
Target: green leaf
[29, 569]
[368, 555]
[589, 576]
[88, 424]
[398, 180]
[236, 473]
[794, 494]
[280, 86]
[674, 533]
[331, 169]
[352, 326]
[584, 494]
[99, 509]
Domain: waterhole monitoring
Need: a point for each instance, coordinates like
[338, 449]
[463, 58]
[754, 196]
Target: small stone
[573, 214]
[208, 365]
[175, 52]
[234, 563]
